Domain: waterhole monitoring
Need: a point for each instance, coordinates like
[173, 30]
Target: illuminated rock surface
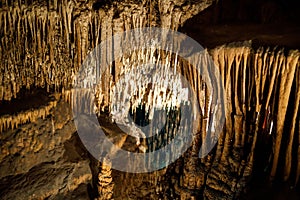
[42, 47]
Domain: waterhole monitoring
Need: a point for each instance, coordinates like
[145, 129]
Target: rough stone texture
[49, 145]
[44, 159]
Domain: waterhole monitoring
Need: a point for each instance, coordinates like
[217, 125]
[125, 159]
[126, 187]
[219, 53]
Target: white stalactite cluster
[149, 84]
[145, 80]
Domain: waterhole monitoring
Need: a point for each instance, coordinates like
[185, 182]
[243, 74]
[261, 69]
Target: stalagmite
[105, 181]
[44, 46]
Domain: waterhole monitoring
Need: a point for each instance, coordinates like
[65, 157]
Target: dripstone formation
[42, 47]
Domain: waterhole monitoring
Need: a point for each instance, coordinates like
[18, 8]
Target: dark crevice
[26, 99]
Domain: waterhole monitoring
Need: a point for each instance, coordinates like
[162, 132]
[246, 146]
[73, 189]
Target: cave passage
[254, 47]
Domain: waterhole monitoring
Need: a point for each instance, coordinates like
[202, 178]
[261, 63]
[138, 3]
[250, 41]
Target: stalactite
[288, 159]
[274, 73]
[14, 121]
[40, 53]
[266, 65]
[287, 76]
[42, 31]
[47, 39]
[229, 59]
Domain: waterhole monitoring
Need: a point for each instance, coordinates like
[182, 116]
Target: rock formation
[44, 43]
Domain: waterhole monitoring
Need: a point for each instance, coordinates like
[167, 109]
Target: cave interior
[254, 47]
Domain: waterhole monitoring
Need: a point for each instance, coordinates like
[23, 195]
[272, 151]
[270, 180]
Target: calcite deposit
[43, 45]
